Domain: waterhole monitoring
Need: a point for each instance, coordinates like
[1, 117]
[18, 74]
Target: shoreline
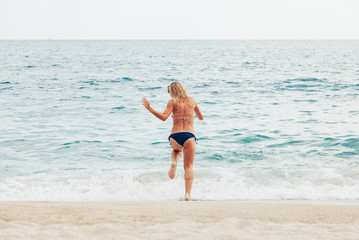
[178, 220]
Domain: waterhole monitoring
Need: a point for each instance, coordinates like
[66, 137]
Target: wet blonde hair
[177, 92]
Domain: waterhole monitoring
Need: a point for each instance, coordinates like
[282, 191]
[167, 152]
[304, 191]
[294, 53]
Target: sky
[180, 19]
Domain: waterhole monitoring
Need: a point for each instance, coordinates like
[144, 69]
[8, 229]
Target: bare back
[183, 109]
[183, 113]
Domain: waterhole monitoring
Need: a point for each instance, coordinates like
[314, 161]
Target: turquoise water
[281, 119]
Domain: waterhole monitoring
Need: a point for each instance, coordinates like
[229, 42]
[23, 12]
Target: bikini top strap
[185, 119]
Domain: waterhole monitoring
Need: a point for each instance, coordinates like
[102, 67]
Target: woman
[182, 138]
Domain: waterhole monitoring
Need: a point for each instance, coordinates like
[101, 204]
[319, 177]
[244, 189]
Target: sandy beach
[178, 220]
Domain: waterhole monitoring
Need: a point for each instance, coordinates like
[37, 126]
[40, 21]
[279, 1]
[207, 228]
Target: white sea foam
[216, 184]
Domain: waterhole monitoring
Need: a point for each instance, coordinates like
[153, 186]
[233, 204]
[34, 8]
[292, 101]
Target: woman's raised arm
[163, 116]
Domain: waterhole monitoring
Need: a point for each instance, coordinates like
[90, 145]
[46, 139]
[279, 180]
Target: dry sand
[178, 220]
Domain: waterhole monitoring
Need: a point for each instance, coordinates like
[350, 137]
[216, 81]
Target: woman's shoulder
[192, 100]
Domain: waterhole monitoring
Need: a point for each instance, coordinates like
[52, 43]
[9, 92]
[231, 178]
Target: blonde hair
[177, 92]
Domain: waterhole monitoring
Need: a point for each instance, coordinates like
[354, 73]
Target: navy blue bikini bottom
[182, 137]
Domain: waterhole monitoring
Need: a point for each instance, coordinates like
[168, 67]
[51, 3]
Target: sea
[281, 119]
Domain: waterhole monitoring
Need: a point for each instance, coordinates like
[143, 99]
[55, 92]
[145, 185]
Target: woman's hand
[146, 103]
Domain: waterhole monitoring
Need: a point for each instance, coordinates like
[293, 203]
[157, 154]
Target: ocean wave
[6, 88]
[168, 79]
[127, 79]
[92, 82]
[328, 142]
[80, 141]
[252, 139]
[299, 86]
[289, 143]
[347, 154]
[214, 184]
[351, 143]
[302, 84]
[305, 100]
[202, 85]
[148, 88]
[119, 108]
[305, 80]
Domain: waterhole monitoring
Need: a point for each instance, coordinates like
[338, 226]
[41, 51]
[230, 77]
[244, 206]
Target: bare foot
[172, 171]
[187, 197]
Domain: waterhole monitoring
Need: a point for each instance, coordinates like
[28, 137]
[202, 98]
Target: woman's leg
[189, 150]
[176, 154]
